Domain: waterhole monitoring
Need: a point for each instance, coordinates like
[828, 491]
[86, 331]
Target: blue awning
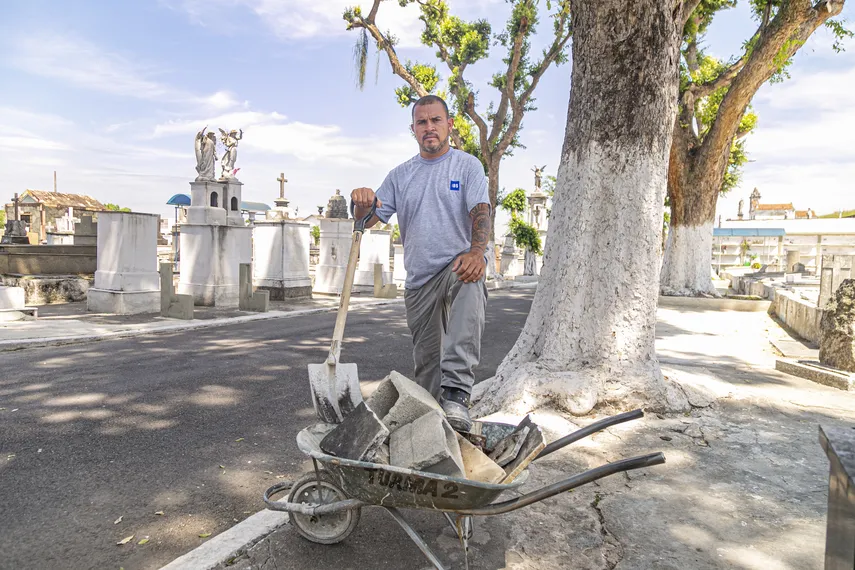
[748, 232]
[254, 206]
[179, 200]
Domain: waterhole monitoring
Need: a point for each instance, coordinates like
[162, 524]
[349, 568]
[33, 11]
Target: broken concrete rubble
[427, 444]
[399, 401]
[531, 448]
[477, 466]
[358, 436]
[509, 447]
[837, 329]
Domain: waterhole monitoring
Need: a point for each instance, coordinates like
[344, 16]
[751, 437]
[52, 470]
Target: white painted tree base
[609, 389]
[687, 265]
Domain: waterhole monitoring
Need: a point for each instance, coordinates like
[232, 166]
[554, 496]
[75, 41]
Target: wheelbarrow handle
[359, 225]
[590, 429]
[567, 484]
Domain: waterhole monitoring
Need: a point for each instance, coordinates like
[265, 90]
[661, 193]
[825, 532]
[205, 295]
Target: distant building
[775, 212]
[39, 209]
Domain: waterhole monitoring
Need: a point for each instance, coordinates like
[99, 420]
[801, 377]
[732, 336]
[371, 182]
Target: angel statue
[538, 173]
[206, 156]
[230, 141]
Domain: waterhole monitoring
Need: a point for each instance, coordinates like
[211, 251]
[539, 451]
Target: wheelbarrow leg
[463, 527]
[414, 536]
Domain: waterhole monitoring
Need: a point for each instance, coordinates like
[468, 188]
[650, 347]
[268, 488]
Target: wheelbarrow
[324, 505]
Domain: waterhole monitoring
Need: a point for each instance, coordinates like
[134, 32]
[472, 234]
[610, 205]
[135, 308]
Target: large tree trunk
[687, 264]
[589, 337]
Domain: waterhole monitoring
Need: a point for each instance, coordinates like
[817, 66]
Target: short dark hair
[427, 100]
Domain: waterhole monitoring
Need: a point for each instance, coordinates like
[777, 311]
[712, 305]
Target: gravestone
[63, 232]
[334, 249]
[16, 229]
[510, 265]
[126, 279]
[86, 231]
[282, 258]
[171, 305]
[837, 329]
[251, 300]
[374, 249]
[337, 206]
[214, 242]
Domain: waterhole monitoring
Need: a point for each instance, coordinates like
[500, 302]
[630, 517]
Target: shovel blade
[335, 390]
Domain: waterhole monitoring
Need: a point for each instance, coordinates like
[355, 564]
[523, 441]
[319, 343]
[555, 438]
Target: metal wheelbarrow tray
[324, 505]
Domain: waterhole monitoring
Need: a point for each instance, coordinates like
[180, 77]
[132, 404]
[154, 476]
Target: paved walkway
[744, 485]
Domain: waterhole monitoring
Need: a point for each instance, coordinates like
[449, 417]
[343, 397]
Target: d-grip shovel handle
[359, 225]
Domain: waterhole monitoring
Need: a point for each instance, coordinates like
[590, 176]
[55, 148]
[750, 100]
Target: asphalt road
[97, 439]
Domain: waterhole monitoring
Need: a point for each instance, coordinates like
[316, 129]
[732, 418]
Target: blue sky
[110, 94]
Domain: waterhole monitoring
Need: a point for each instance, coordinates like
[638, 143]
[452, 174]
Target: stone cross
[15, 200]
[282, 180]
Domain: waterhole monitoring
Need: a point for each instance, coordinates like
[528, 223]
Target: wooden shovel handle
[341, 317]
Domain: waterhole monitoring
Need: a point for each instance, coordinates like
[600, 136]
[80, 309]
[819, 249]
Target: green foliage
[315, 232]
[525, 235]
[396, 233]
[115, 208]
[459, 44]
[514, 202]
[549, 184]
[840, 33]
[2, 218]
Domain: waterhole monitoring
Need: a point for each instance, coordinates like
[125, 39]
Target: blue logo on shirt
[455, 186]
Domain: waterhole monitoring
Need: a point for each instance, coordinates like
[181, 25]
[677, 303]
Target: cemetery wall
[799, 314]
[48, 259]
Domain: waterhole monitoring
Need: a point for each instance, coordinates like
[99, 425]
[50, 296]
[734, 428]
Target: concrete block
[358, 436]
[399, 401]
[389, 291]
[251, 300]
[122, 302]
[12, 297]
[477, 466]
[427, 444]
[171, 305]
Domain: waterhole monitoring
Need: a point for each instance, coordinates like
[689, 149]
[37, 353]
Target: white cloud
[803, 150]
[272, 133]
[79, 62]
[294, 20]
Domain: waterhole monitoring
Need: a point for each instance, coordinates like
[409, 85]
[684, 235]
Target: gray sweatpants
[446, 319]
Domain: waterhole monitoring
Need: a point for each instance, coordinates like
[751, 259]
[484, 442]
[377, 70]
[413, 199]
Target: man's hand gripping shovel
[334, 385]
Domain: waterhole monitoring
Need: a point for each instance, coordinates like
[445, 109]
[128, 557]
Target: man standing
[440, 196]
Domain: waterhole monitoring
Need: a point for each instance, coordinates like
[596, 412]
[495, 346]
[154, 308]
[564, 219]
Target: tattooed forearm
[480, 215]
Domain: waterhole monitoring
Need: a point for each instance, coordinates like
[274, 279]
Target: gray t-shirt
[433, 199]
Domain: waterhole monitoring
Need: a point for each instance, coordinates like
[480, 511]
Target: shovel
[335, 386]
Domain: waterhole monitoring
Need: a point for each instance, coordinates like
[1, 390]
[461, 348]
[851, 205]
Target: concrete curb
[14, 344]
[815, 372]
[157, 328]
[231, 542]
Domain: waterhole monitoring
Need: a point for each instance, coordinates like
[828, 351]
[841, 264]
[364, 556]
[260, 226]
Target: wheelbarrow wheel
[323, 529]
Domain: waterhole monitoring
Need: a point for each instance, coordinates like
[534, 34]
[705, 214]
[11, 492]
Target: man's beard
[433, 146]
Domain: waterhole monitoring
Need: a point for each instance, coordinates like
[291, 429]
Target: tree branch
[479, 122]
[556, 48]
[688, 9]
[723, 80]
[508, 95]
[787, 31]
